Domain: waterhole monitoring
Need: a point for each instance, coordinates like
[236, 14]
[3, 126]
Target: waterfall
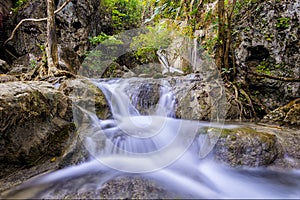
[156, 146]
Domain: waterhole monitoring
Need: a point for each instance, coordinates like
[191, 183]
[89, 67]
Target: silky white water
[159, 147]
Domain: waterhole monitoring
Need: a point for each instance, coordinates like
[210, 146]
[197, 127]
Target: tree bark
[221, 33]
[51, 48]
[227, 35]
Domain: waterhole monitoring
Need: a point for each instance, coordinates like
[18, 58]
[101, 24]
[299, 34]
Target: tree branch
[276, 77]
[33, 20]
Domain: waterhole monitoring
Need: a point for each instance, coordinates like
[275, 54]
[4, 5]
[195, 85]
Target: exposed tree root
[285, 79]
[250, 103]
[243, 112]
[236, 95]
[40, 73]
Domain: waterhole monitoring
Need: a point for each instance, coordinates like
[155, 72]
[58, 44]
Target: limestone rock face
[74, 24]
[35, 122]
[267, 41]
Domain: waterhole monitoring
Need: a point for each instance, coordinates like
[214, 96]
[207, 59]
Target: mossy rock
[246, 147]
[86, 95]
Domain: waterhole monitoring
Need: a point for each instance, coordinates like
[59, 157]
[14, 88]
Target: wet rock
[288, 114]
[35, 123]
[134, 188]
[84, 95]
[247, 147]
[69, 60]
[20, 174]
[145, 95]
[24, 64]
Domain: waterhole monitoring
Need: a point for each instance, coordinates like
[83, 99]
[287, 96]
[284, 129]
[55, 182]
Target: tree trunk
[228, 34]
[5, 7]
[51, 49]
[221, 35]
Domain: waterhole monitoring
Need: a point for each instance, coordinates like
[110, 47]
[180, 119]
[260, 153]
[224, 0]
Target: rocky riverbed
[38, 134]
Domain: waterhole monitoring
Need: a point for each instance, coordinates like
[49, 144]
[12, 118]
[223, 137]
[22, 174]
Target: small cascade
[154, 146]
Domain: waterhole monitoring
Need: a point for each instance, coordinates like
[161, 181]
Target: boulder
[74, 24]
[126, 187]
[78, 21]
[84, 95]
[246, 147]
[200, 98]
[35, 123]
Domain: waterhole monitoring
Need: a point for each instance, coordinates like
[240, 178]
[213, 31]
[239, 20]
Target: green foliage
[226, 71]
[269, 37]
[145, 54]
[210, 43]
[156, 37]
[157, 12]
[105, 40]
[146, 45]
[208, 15]
[33, 63]
[240, 4]
[43, 49]
[283, 22]
[263, 67]
[125, 14]
[19, 5]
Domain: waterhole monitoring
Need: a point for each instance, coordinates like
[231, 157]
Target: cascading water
[157, 147]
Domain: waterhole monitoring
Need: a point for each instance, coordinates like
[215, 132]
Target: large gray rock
[201, 99]
[35, 123]
[84, 95]
[195, 96]
[247, 147]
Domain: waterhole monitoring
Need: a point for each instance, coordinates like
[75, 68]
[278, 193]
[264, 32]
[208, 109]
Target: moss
[283, 23]
[19, 4]
[158, 75]
[263, 67]
[233, 133]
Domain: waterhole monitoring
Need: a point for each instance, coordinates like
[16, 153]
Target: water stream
[157, 147]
